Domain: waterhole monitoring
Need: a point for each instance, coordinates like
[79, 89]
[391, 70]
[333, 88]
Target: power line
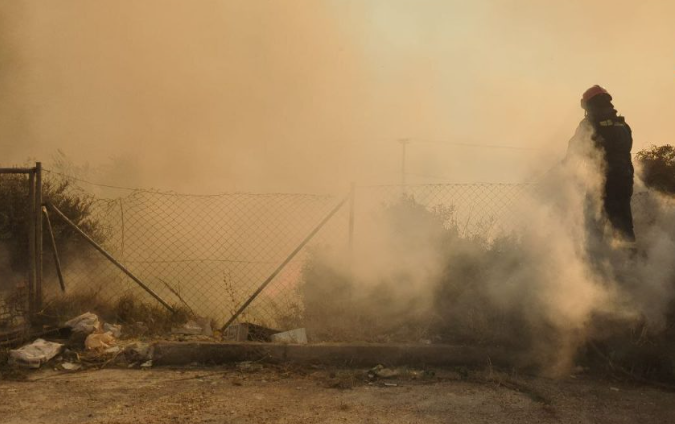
[474, 145]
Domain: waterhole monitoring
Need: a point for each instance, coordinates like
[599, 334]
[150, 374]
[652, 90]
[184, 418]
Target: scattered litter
[138, 352]
[112, 350]
[245, 331]
[69, 366]
[198, 327]
[614, 389]
[147, 364]
[381, 371]
[86, 323]
[114, 329]
[299, 335]
[205, 323]
[99, 341]
[34, 354]
[391, 384]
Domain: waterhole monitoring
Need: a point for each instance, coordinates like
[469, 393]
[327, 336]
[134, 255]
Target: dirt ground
[255, 393]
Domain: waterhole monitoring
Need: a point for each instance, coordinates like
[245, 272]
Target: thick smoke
[543, 288]
[218, 96]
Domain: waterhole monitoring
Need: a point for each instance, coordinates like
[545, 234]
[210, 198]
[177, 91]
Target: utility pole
[404, 142]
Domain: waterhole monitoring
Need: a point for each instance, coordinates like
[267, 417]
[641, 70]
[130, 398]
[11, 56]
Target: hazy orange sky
[307, 95]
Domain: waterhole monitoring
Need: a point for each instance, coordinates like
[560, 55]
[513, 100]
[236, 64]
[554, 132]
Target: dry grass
[138, 317]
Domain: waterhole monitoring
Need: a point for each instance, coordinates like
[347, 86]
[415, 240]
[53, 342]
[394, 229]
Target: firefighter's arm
[575, 146]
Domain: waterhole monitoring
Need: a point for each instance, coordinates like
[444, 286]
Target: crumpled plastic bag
[382, 372]
[299, 335]
[34, 354]
[86, 323]
[115, 329]
[99, 341]
[198, 326]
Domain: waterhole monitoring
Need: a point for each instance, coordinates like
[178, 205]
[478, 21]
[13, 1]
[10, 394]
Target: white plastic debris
[299, 335]
[189, 328]
[383, 372]
[86, 323]
[35, 354]
[99, 341]
[198, 326]
[115, 330]
[112, 350]
[205, 323]
[69, 366]
[147, 364]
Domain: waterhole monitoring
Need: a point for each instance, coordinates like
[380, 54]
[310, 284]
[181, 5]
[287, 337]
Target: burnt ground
[256, 393]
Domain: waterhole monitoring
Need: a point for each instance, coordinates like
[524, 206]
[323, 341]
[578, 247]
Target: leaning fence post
[38, 236]
[109, 257]
[285, 262]
[57, 261]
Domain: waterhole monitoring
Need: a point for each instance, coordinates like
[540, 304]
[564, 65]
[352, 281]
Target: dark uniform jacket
[613, 139]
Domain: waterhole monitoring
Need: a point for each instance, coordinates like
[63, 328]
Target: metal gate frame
[35, 235]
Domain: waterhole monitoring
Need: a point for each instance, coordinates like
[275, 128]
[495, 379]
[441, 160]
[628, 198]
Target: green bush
[15, 217]
[657, 165]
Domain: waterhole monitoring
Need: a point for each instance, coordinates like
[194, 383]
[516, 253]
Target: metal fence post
[31, 245]
[38, 236]
[352, 200]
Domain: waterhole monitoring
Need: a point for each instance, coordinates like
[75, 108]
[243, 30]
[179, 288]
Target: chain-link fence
[476, 209]
[211, 253]
[208, 254]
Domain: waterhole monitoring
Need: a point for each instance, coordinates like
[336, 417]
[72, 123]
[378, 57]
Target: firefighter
[611, 138]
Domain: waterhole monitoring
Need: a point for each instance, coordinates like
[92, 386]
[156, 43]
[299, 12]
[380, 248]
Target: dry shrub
[156, 318]
[398, 307]
[488, 292]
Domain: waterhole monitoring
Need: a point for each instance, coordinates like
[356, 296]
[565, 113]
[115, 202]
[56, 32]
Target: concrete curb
[357, 355]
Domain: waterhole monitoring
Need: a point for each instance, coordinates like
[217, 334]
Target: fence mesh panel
[208, 253]
[475, 209]
[211, 253]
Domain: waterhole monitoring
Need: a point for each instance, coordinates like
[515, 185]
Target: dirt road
[268, 394]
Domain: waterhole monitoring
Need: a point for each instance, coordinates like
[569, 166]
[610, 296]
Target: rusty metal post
[57, 261]
[38, 236]
[31, 244]
[109, 257]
